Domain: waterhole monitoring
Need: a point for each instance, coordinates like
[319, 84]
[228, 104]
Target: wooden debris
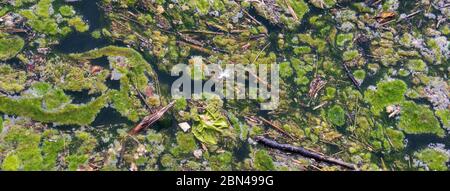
[151, 119]
[316, 85]
[275, 127]
[352, 78]
[304, 152]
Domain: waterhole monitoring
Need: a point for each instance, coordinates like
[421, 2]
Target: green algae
[387, 93]
[12, 80]
[419, 119]
[10, 46]
[45, 104]
[434, 159]
[336, 115]
[43, 18]
[311, 40]
[263, 161]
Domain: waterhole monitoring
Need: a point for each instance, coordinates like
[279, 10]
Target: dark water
[80, 42]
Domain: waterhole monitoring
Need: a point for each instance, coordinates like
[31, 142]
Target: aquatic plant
[433, 158]
[387, 93]
[419, 119]
[12, 80]
[10, 46]
[263, 161]
[46, 104]
[336, 115]
[381, 67]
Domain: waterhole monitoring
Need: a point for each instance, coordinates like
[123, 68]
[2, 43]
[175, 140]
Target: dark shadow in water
[109, 116]
[417, 142]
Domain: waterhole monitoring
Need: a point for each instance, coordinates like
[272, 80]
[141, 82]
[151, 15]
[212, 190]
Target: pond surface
[343, 123]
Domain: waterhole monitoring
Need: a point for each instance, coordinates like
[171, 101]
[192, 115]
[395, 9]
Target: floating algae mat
[350, 85]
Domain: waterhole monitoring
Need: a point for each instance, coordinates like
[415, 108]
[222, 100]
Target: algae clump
[336, 115]
[10, 46]
[419, 119]
[387, 93]
[46, 104]
[434, 159]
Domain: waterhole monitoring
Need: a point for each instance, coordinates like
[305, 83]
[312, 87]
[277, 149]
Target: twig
[276, 127]
[304, 152]
[195, 47]
[352, 78]
[291, 11]
[409, 16]
[149, 120]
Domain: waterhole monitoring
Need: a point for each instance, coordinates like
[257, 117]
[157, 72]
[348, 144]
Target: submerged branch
[151, 119]
[304, 152]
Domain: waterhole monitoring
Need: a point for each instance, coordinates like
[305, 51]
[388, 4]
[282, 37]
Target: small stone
[198, 153]
[185, 126]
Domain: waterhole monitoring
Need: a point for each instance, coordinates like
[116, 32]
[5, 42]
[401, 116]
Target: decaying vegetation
[361, 83]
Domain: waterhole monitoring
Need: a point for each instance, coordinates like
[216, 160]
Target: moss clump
[10, 46]
[82, 146]
[41, 16]
[417, 65]
[444, 116]
[167, 161]
[419, 119]
[263, 161]
[286, 70]
[336, 115]
[221, 162]
[12, 81]
[300, 8]
[185, 144]
[11, 163]
[71, 76]
[350, 55]
[25, 154]
[132, 69]
[45, 104]
[67, 11]
[78, 24]
[360, 75]
[344, 39]
[395, 139]
[434, 159]
[317, 43]
[387, 93]
[210, 126]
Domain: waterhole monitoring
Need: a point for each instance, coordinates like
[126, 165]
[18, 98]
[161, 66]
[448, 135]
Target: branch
[304, 152]
[149, 120]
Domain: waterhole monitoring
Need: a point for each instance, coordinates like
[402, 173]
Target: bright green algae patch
[46, 104]
[434, 158]
[387, 93]
[10, 46]
[419, 119]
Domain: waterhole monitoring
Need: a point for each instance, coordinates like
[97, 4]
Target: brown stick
[275, 127]
[195, 47]
[352, 78]
[151, 119]
[304, 152]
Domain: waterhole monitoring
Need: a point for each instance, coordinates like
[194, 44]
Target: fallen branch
[304, 152]
[151, 119]
[352, 78]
